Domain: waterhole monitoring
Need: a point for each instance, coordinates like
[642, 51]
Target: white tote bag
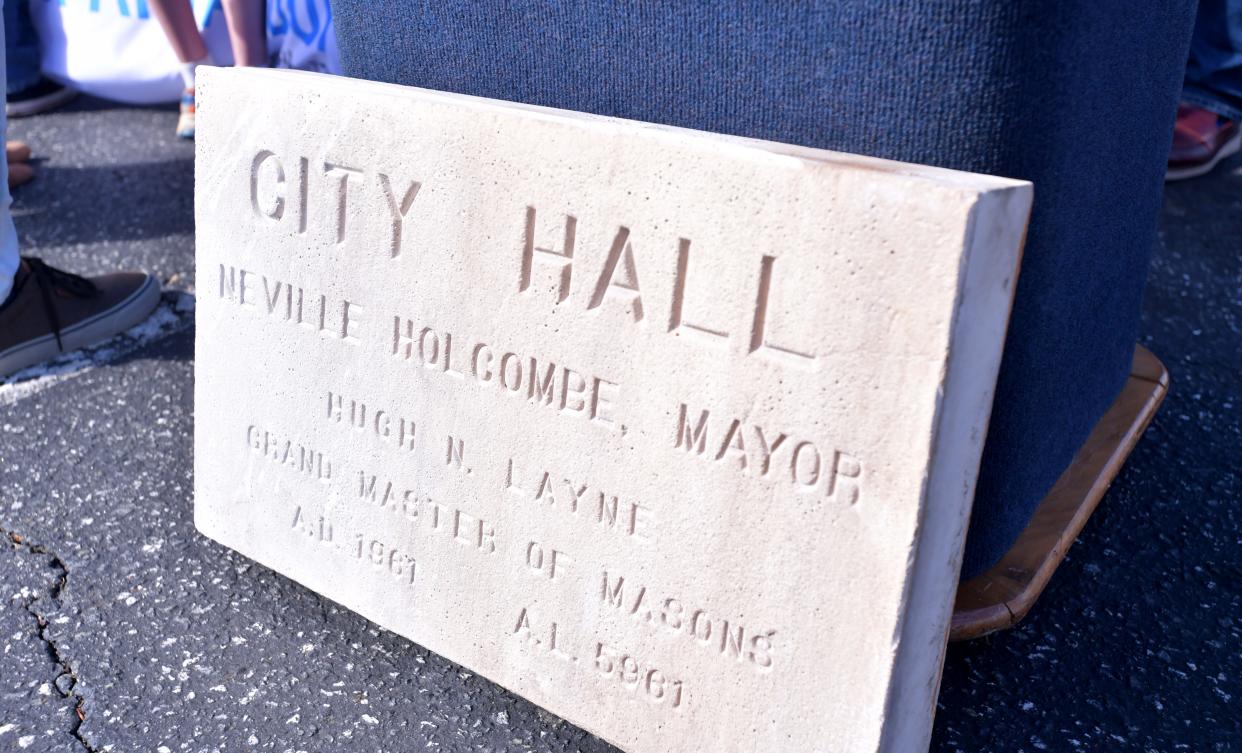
[117, 50]
[300, 35]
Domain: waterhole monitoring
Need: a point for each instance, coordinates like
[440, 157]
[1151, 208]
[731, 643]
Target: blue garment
[21, 46]
[1214, 71]
[9, 257]
[1077, 96]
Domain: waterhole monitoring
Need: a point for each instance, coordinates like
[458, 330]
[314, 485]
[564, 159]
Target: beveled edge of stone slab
[968, 387]
[938, 175]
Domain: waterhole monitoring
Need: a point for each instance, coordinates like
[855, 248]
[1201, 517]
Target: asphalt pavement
[122, 629]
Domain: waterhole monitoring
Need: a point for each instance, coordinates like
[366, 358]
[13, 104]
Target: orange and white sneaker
[185, 124]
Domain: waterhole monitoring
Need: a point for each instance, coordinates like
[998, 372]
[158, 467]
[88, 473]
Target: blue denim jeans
[21, 56]
[1214, 71]
[8, 234]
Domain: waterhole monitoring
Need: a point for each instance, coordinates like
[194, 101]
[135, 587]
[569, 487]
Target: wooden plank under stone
[1000, 597]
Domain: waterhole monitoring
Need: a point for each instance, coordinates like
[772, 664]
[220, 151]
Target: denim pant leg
[8, 234]
[1214, 71]
[21, 46]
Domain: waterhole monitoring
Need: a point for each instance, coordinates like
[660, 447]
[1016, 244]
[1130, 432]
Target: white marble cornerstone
[674, 434]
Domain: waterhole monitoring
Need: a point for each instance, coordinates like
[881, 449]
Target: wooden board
[1000, 597]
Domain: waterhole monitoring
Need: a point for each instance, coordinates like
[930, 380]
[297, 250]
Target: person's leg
[177, 18]
[1214, 71]
[1209, 120]
[9, 258]
[21, 48]
[247, 31]
[28, 92]
[45, 311]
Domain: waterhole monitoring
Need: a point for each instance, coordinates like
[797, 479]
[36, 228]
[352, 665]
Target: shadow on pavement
[106, 203]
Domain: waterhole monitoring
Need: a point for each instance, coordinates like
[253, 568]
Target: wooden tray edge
[1000, 597]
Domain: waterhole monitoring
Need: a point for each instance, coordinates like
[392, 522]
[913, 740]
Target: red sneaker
[1201, 139]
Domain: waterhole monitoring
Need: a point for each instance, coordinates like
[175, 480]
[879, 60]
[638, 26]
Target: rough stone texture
[744, 470]
[1133, 647]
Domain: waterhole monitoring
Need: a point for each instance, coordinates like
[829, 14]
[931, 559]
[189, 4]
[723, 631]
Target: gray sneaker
[50, 311]
[45, 94]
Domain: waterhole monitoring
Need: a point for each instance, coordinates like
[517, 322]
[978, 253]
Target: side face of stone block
[673, 434]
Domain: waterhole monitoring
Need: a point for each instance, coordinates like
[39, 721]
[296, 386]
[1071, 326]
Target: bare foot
[19, 174]
[16, 151]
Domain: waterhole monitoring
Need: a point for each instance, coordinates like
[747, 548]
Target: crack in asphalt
[62, 582]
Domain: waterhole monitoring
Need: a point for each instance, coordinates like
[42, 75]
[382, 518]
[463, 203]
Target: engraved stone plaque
[674, 434]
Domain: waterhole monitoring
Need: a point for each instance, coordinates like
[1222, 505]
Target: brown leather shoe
[20, 174]
[51, 312]
[1201, 139]
[16, 151]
